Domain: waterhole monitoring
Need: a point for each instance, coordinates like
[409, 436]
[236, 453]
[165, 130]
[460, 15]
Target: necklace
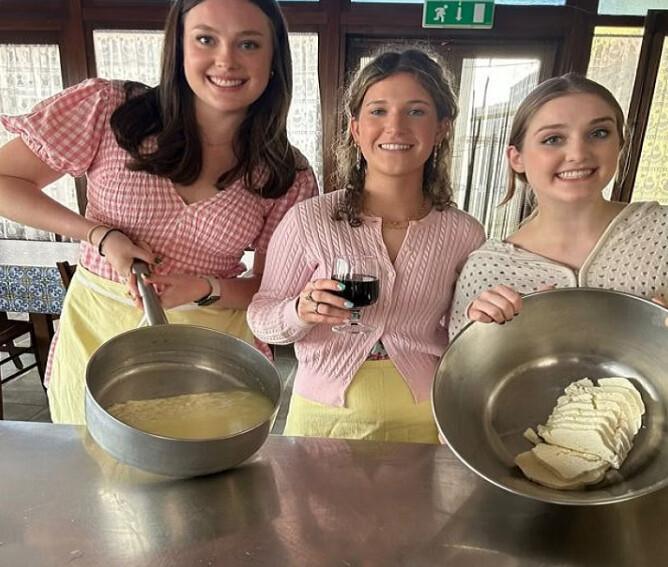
[401, 224]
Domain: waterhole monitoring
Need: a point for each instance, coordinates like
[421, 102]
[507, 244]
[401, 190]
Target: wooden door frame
[656, 30]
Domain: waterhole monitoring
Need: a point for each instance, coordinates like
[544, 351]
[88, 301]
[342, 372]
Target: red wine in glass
[359, 275]
[361, 289]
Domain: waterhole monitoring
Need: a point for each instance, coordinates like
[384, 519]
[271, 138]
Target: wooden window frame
[656, 30]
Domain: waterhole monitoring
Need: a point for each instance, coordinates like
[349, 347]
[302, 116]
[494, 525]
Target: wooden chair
[10, 331]
[66, 272]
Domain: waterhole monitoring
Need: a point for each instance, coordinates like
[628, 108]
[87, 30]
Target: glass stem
[355, 316]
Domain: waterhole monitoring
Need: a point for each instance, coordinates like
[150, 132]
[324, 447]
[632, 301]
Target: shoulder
[497, 250]
[638, 218]
[452, 214]
[462, 227]
[320, 206]
[645, 209]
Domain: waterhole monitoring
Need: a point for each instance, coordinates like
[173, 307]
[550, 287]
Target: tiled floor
[25, 400]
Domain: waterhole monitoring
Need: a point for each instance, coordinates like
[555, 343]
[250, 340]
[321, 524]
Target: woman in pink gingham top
[396, 208]
[183, 176]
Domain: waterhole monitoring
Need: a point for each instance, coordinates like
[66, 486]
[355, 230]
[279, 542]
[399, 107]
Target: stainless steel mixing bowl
[494, 381]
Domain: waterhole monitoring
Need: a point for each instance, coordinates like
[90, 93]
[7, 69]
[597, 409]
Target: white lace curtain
[28, 74]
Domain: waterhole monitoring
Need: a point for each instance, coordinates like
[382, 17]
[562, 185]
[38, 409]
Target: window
[614, 57]
[498, 2]
[651, 183]
[29, 74]
[630, 7]
[489, 94]
[128, 55]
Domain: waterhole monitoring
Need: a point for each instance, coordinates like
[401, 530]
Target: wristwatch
[214, 293]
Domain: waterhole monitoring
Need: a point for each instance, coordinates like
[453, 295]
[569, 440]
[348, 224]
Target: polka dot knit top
[630, 256]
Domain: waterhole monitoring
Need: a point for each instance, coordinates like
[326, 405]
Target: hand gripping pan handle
[155, 314]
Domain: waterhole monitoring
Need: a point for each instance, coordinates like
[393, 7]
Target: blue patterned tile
[30, 289]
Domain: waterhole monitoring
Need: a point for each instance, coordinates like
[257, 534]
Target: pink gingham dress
[70, 132]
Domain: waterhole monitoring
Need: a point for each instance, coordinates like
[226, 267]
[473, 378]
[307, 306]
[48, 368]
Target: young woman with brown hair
[184, 176]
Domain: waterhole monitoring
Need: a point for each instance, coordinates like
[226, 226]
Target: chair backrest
[66, 272]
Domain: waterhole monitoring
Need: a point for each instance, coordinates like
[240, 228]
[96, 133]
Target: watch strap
[213, 295]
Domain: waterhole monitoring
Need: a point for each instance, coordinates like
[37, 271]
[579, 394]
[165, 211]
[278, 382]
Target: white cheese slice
[591, 428]
[614, 437]
[617, 430]
[624, 383]
[534, 470]
[531, 436]
[567, 464]
[580, 438]
[620, 395]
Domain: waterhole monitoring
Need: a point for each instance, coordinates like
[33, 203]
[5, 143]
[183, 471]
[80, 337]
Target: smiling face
[227, 55]
[397, 127]
[570, 150]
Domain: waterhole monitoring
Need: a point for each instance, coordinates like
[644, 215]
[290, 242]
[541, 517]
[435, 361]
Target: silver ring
[310, 297]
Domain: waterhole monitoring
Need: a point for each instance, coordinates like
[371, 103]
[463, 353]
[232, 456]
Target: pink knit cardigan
[410, 315]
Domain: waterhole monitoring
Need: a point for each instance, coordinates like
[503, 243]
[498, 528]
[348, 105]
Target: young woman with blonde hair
[393, 207]
[566, 142]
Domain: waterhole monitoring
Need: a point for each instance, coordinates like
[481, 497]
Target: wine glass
[360, 275]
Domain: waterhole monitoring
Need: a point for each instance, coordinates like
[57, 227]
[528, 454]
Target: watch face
[208, 301]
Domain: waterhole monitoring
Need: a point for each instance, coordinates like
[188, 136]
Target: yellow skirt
[96, 310]
[379, 407]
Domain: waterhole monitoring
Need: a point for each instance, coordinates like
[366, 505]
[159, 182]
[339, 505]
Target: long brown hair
[168, 113]
[433, 78]
[571, 83]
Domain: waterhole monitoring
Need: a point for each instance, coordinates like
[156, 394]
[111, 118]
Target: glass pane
[652, 176]
[630, 7]
[509, 2]
[135, 55]
[29, 74]
[128, 55]
[614, 58]
[490, 92]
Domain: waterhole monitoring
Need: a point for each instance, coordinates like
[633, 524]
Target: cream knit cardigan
[630, 256]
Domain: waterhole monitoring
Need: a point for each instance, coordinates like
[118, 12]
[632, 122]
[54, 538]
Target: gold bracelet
[89, 234]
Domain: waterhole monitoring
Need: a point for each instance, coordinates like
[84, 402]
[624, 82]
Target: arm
[23, 175]
[273, 314]
[235, 293]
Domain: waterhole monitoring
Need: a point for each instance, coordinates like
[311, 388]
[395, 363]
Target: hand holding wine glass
[360, 277]
[319, 302]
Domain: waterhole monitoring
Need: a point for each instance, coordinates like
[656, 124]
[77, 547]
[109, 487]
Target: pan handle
[155, 314]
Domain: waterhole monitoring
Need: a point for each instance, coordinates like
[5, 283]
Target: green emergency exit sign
[458, 14]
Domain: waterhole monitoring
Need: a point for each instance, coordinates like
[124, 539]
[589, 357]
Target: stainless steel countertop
[299, 502]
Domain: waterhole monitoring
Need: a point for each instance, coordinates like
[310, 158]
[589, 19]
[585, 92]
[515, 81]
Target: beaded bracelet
[104, 237]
